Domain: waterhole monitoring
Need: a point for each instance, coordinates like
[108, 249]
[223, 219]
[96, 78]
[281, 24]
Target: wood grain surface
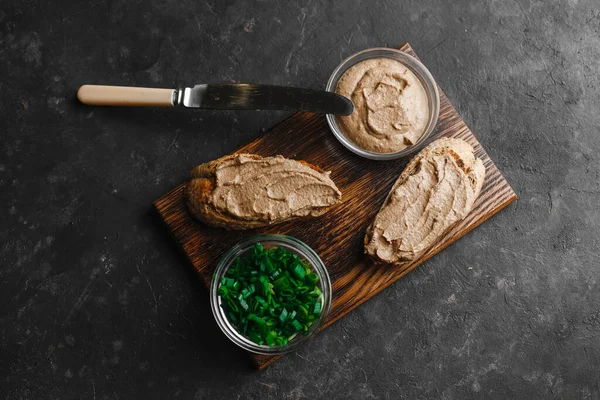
[338, 235]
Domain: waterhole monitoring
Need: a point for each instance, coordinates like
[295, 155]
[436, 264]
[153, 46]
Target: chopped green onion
[262, 302]
[283, 315]
[317, 308]
[260, 321]
[243, 303]
[299, 272]
[255, 337]
[232, 317]
[271, 337]
[227, 282]
[232, 305]
[297, 325]
[282, 283]
[302, 312]
[248, 291]
[271, 295]
[312, 278]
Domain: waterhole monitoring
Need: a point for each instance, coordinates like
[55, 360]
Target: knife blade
[220, 97]
[265, 97]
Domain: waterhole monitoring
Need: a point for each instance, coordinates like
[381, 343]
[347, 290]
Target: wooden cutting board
[338, 235]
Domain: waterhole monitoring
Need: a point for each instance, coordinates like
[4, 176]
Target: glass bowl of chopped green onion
[270, 293]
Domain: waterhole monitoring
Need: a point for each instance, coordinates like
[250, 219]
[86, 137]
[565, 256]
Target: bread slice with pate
[245, 191]
[437, 188]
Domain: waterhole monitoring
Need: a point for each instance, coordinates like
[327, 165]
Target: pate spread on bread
[436, 189]
[245, 191]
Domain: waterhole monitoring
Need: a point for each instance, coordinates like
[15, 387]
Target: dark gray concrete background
[95, 300]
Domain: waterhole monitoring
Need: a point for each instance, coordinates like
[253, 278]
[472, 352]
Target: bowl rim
[420, 71]
[240, 248]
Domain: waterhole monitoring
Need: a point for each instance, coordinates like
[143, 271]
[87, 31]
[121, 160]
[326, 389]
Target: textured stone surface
[95, 301]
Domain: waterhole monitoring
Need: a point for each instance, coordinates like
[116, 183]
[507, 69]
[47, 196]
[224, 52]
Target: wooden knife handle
[97, 95]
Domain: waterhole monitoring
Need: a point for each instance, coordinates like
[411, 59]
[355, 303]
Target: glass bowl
[292, 245]
[421, 73]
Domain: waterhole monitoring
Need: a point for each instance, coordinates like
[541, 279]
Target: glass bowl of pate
[396, 103]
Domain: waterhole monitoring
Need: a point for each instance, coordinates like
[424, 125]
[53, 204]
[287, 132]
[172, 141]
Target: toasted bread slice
[436, 189]
[245, 191]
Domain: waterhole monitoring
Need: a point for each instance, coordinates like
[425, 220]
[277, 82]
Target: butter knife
[220, 97]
